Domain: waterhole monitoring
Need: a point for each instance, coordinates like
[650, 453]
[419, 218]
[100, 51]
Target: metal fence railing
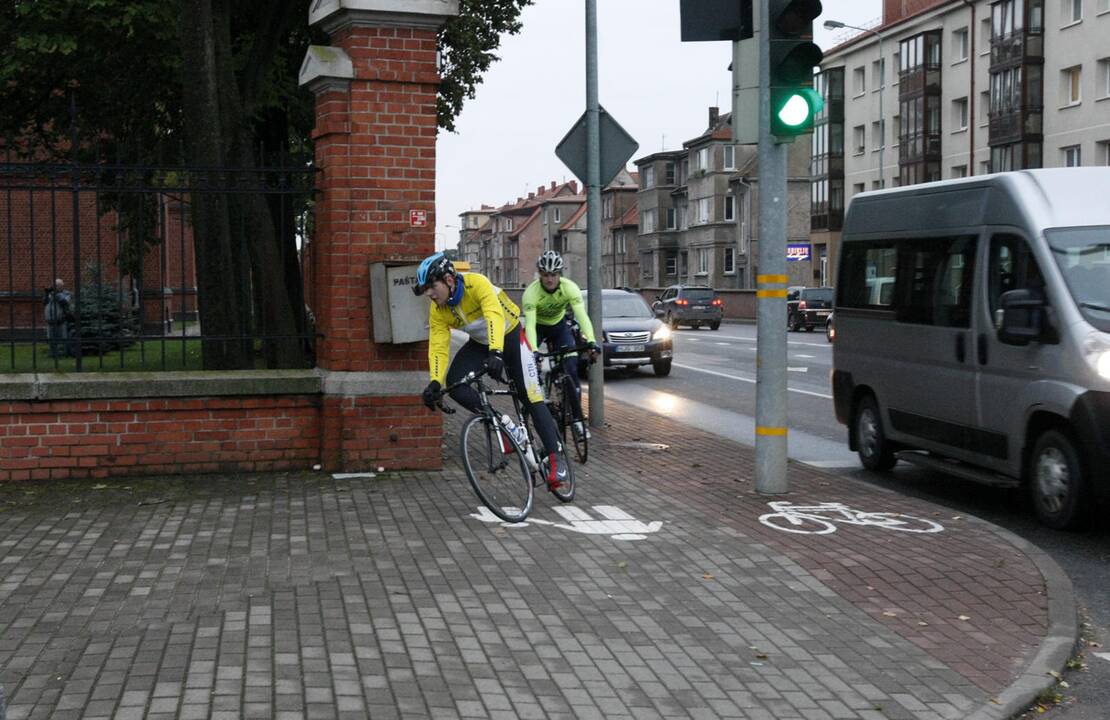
[107, 267]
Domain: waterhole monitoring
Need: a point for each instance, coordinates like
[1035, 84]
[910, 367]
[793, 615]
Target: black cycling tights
[521, 367]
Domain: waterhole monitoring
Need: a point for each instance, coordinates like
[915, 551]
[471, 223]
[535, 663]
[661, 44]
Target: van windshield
[1083, 255]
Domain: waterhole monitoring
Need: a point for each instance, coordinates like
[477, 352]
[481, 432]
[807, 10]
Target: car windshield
[698, 296]
[1083, 256]
[625, 305]
[818, 294]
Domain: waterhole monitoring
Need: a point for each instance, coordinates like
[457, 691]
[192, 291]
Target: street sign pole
[593, 210]
[771, 282]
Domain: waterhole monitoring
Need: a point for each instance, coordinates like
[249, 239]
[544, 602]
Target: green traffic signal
[792, 111]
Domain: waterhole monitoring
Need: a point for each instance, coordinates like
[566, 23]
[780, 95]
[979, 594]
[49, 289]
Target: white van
[973, 332]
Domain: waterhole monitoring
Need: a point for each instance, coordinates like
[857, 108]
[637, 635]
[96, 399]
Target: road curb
[1058, 643]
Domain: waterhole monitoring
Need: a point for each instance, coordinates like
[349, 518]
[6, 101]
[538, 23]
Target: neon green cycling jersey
[548, 308]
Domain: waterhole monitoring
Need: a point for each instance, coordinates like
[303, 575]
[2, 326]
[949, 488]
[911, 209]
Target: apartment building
[471, 224]
[969, 87]
[620, 258]
[698, 210]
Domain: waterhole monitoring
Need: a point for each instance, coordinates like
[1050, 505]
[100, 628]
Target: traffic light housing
[793, 57]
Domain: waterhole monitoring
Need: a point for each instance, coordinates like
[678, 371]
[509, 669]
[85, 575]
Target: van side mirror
[1023, 317]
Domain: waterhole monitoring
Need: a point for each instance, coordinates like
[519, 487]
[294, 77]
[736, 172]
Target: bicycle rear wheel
[501, 479]
[581, 442]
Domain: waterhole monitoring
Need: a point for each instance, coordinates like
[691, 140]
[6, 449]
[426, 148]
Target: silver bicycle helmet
[550, 262]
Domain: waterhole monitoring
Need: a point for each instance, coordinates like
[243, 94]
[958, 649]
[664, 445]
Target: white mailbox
[399, 316]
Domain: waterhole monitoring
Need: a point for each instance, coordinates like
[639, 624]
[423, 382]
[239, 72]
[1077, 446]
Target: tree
[210, 83]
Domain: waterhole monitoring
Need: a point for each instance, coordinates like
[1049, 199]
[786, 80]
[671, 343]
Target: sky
[655, 86]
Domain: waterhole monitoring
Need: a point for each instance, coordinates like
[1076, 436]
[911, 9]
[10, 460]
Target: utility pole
[593, 211]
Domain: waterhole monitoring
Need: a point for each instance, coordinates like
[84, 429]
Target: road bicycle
[560, 391]
[820, 519]
[502, 470]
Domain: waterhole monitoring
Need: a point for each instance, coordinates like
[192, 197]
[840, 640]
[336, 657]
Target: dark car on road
[808, 308]
[693, 305]
[631, 335]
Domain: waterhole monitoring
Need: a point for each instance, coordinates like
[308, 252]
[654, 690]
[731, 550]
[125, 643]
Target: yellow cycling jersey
[484, 312]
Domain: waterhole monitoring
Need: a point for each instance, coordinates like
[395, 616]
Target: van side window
[867, 275]
[1011, 267]
[938, 276]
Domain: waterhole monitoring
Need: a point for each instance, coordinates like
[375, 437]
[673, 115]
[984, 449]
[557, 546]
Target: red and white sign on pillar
[418, 218]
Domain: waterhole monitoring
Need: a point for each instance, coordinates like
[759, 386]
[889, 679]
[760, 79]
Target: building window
[857, 188]
[875, 185]
[668, 173]
[545, 216]
[1070, 85]
[897, 129]
[1104, 77]
[960, 44]
[672, 264]
[959, 114]
[730, 205]
[858, 139]
[703, 159]
[672, 218]
[649, 177]
[1103, 156]
[558, 214]
[730, 157]
[730, 261]
[985, 35]
[859, 81]
[984, 107]
[508, 225]
[878, 137]
[647, 221]
[683, 263]
[959, 171]
[878, 74]
[621, 246]
[1073, 11]
[683, 218]
[704, 205]
[897, 58]
[607, 206]
[703, 261]
[1072, 157]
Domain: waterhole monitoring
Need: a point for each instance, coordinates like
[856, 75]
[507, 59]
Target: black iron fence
[127, 267]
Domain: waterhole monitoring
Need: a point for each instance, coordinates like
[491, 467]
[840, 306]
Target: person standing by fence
[59, 314]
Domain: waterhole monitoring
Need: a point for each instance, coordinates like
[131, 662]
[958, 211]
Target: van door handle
[982, 348]
[961, 348]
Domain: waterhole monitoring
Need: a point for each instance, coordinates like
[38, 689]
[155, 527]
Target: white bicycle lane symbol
[821, 519]
[615, 523]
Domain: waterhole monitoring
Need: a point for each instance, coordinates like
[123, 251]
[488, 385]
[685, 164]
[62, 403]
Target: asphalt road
[712, 386]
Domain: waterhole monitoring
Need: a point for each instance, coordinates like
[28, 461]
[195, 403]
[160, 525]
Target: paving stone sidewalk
[657, 594]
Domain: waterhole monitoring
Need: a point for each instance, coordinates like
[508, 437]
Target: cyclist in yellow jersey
[545, 304]
[471, 303]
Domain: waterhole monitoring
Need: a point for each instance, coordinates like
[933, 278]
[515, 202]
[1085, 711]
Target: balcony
[918, 148]
[1016, 49]
[922, 80]
[1024, 124]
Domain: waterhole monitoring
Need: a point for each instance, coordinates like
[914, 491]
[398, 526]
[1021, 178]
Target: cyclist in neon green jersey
[545, 304]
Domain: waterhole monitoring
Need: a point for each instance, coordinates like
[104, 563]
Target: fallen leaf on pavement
[964, 617]
[922, 623]
[708, 576]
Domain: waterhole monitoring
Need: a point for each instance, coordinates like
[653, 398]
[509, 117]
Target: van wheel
[715, 325]
[1058, 482]
[875, 452]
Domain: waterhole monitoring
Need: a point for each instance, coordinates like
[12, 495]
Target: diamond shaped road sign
[617, 146]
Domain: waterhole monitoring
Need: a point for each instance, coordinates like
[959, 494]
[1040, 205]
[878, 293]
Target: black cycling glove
[495, 364]
[431, 394]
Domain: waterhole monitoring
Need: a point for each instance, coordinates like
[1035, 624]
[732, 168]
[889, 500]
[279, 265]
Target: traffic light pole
[593, 212]
[771, 282]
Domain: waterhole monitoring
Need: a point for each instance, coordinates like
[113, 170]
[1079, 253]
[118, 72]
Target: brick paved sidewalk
[303, 596]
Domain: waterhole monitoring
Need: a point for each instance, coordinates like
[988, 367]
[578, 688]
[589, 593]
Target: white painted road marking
[797, 369]
[821, 519]
[617, 524]
[807, 357]
[1104, 656]
[749, 380]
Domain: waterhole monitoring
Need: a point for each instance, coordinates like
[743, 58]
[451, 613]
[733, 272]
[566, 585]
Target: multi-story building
[697, 208]
[471, 223]
[969, 87]
[620, 257]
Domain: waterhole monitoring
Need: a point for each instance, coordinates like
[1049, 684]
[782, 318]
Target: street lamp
[836, 25]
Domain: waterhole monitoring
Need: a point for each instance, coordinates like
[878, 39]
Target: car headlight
[1098, 354]
[662, 333]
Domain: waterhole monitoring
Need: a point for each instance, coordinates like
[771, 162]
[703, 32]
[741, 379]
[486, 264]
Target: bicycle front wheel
[564, 489]
[581, 442]
[497, 469]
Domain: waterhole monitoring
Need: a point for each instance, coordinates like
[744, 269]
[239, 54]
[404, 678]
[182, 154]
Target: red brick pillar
[375, 138]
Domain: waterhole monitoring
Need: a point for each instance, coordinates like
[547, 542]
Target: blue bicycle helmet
[433, 268]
